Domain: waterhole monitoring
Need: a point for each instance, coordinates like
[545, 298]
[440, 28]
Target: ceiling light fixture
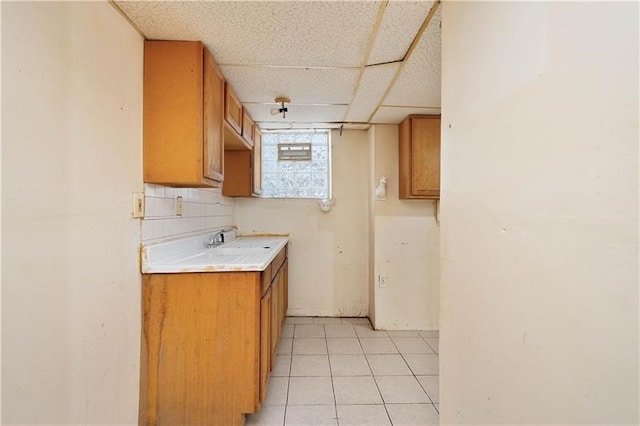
[282, 100]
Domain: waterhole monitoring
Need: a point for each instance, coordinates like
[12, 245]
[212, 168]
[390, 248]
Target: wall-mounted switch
[138, 205]
[179, 207]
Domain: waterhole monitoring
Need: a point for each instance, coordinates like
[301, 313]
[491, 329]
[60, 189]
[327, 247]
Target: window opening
[296, 164]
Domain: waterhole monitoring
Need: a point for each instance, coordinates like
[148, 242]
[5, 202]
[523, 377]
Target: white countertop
[250, 253]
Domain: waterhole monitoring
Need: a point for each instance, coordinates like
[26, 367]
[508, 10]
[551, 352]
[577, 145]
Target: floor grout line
[333, 388]
[286, 401]
[377, 386]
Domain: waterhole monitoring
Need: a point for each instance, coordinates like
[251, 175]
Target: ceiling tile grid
[373, 85]
[301, 85]
[400, 24]
[419, 81]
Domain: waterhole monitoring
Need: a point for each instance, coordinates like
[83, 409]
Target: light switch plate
[138, 205]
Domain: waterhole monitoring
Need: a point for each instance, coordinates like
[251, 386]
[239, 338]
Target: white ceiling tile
[373, 85]
[301, 85]
[394, 115]
[400, 24]
[419, 81]
[298, 113]
[306, 33]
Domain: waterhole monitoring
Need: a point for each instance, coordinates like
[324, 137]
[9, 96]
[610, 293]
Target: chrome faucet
[215, 240]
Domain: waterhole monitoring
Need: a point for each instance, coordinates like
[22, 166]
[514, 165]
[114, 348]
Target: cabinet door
[425, 156]
[213, 126]
[282, 294]
[233, 110]
[257, 162]
[265, 342]
[172, 113]
[247, 127]
[285, 273]
[419, 155]
[274, 318]
[194, 371]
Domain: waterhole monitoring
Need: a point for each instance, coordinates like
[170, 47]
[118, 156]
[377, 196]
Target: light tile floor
[339, 371]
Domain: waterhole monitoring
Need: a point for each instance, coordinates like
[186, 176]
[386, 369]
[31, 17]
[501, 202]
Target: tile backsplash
[202, 210]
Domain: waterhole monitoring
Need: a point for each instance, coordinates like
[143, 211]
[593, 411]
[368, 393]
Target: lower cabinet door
[282, 284]
[265, 342]
[274, 319]
[285, 272]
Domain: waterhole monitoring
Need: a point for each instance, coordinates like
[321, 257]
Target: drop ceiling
[351, 63]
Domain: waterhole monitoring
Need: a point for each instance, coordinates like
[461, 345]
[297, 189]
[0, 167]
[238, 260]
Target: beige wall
[335, 257]
[329, 252]
[71, 158]
[406, 247]
[539, 318]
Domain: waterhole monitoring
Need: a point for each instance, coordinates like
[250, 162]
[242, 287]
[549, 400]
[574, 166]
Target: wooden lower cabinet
[207, 344]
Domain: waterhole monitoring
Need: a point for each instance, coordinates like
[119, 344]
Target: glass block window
[308, 178]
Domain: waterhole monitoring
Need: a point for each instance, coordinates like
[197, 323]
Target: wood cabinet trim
[266, 279]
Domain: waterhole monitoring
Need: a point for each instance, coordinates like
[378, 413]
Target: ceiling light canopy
[282, 100]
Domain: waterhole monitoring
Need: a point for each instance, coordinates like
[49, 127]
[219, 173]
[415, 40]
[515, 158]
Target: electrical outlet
[383, 281]
[138, 205]
[179, 206]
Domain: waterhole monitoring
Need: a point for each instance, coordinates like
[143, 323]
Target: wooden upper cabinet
[232, 109]
[420, 157]
[243, 170]
[247, 127]
[182, 113]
